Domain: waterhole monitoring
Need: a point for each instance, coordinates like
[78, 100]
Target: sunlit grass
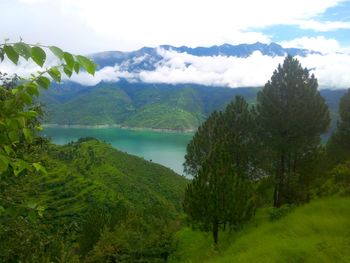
[316, 232]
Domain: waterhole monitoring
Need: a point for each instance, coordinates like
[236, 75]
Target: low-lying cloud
[331, 70]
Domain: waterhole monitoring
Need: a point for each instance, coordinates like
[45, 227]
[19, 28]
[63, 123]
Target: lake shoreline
[104, 126]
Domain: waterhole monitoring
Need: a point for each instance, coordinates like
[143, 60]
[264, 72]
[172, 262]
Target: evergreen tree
[338, 147]
[219, 158]
[218, 195]
[292, 116]
[203, 142]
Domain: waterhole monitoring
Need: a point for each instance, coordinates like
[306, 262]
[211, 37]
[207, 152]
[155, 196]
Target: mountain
[134, 103]
[145, 105]
[158, 106]
[147, 58]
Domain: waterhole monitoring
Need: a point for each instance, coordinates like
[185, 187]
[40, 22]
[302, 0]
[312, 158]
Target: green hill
[91, 172]
[315, 232]
[142, 105]
[158, 106]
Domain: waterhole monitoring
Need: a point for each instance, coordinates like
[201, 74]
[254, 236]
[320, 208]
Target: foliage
[315, 232]
[337, 181]
[141, 237]
[338, 147]
[92, 187]
[15, 104]
[292, 116]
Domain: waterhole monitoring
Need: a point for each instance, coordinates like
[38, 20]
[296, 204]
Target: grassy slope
[93, 172]
[316, 232]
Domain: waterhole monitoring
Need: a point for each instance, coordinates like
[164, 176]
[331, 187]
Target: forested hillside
[158, 106]
[89, 188]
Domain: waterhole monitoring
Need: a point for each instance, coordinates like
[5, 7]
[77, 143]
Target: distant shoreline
[103, 126]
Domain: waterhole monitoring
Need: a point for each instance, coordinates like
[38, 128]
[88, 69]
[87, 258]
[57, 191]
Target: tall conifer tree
[292, 116]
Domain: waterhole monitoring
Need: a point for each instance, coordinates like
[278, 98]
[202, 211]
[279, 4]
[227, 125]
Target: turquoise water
[164, 148]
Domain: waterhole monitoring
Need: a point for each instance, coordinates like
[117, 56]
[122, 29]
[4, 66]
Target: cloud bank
[331, 70]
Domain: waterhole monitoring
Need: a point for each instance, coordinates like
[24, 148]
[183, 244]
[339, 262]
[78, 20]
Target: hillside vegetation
[142, 105]
[158, 106]
[316, 232]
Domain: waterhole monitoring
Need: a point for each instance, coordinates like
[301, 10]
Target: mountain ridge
[149, 56]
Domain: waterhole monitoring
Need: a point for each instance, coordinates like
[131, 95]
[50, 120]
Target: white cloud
[216, 70]
[89, 25]
[320, 43]
[331, 70]
[323, 26]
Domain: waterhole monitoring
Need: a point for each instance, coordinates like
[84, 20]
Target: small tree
[292, 116]
[219, 158]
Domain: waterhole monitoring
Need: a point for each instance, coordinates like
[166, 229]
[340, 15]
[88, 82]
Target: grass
[316, 232]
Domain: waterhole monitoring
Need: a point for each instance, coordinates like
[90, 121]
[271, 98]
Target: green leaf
[21, 122]
[55, 74]
[39, 168]
[14, 91]
[8, 149]
[13, 136]
[69, 60]
[32, 216]
[29, 114]
[3, 163]
[76, 67]
[31, 205]
[19, 167]
[87, 64]
[32, 88]
[39, 128]
[40, 210]
[38, 55]
[43, 82]
[23, 50]
[11, 54]
[67, 71]
[57, 51]
[27, 134]
[26, 98]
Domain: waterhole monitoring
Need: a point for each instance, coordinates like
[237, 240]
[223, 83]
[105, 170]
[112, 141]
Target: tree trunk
[215, 232]
[278, 193]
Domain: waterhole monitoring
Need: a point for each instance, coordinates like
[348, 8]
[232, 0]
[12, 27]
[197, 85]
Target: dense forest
[263, 185]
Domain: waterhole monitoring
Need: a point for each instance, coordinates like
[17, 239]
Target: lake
[166, 148]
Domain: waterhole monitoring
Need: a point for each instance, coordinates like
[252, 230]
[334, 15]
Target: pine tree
[338, 147]
[292, 116]
[219, 158]
[218, 195]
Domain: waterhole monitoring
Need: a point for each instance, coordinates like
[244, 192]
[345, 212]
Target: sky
[88, 26]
